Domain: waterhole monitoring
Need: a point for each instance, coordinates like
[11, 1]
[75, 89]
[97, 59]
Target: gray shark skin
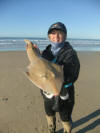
[44, 74]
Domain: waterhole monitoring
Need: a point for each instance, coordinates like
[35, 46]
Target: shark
[44, 74]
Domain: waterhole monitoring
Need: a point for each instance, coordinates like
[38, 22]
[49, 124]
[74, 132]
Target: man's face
[56, 36]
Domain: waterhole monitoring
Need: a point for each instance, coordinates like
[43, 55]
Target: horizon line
[46, 37]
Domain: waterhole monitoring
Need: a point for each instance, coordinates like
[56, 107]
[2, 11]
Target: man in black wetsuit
[61, 52]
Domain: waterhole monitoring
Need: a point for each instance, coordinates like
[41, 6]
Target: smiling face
[57, 36]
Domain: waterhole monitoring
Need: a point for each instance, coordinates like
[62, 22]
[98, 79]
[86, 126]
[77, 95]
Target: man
[62, 53]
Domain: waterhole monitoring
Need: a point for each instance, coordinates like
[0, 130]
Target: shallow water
[18, 44]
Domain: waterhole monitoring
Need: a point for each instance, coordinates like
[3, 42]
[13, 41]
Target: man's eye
[53, 32]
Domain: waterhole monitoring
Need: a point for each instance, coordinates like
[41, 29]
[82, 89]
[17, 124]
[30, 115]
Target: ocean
[18, 44]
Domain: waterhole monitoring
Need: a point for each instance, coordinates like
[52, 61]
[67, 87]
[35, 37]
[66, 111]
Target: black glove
[56, 104]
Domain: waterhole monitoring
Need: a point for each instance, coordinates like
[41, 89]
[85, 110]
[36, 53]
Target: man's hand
[29, 42]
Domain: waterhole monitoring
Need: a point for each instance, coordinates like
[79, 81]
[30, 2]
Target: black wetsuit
[67, 57]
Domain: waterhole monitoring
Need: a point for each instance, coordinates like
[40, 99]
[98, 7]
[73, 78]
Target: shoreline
[23, 50]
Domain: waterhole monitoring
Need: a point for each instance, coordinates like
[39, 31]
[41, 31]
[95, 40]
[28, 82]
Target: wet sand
[21, 104]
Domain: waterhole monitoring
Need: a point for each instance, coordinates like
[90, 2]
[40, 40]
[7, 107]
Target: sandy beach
[21, 104]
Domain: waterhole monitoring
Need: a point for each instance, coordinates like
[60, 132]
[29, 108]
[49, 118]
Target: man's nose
[57, 35]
